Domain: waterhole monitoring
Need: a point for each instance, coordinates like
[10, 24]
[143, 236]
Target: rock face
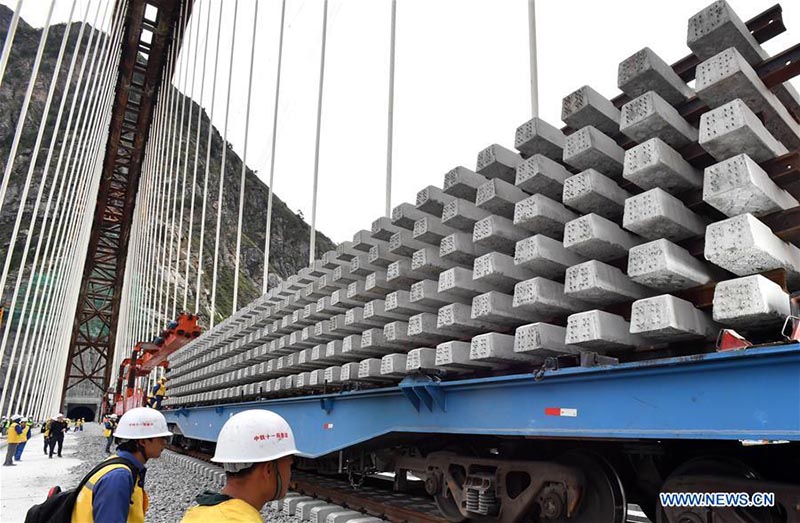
[289, 240]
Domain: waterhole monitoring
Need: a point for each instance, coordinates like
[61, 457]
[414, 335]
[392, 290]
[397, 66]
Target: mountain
[290, 233]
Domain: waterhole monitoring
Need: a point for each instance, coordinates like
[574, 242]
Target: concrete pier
[734, 129]
[498, 162]
[499, 348]
[666, 267]
[463, 183]
[498, 197]
[645, 71]
[602, 332]
[739, 185]
[496, 233]
[588, 107]
[654, 164]
[542, 175]
[743, 245]
[588, 148]
[539, 137]
[545, 257]
[542, 340]
[669, 319]
[499, 271]
[650, 116]
[657, 214]
[597, 283]
[541, 215]
[545, 299]
[592, 192]
[751, 302]
[593, 236]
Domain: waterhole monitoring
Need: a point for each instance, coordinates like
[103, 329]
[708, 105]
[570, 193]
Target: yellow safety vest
[13, 437]
[47, 430]
[162, 390]
[230, 511]
[82, 513]
[106, 432]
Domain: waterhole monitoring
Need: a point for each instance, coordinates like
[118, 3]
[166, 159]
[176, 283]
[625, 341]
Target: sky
[462, 82]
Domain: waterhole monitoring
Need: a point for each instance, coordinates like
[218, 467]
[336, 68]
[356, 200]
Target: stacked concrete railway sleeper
[642, 228]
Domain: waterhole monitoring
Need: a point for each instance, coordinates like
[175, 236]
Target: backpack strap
[112, 461]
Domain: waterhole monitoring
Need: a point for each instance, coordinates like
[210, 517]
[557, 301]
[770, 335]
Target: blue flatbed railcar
[648, 426]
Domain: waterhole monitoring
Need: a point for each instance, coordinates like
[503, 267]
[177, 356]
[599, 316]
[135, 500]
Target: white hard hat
[142, 423]
[59, 415]
[254, 436]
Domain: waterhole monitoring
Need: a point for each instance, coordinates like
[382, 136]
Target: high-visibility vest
[162, 390]
[230, 511]
[13, 437]
[107, 429]
[82, 513]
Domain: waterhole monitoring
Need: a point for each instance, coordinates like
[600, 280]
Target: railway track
[375, 497]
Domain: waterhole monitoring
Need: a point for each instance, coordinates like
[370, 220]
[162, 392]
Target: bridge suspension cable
[213, 311]
[268, 234]
[9, 41]
[244, 165]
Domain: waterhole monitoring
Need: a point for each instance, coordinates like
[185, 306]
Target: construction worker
[109, 424]
[159, 391]
[27, 429]
[46, 431]
[16, 435]
[57, 430]
[116, 493]
[255, 448]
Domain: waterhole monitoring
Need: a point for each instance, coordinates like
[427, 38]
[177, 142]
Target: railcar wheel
[447, 506]
[725, 468]
[604, 496]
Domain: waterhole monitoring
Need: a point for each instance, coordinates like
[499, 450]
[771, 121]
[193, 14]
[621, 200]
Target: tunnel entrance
[81, 411]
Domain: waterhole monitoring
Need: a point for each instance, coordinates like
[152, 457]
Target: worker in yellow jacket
[46, 432]
[116, 492]
[255, 448]
[17, 433]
